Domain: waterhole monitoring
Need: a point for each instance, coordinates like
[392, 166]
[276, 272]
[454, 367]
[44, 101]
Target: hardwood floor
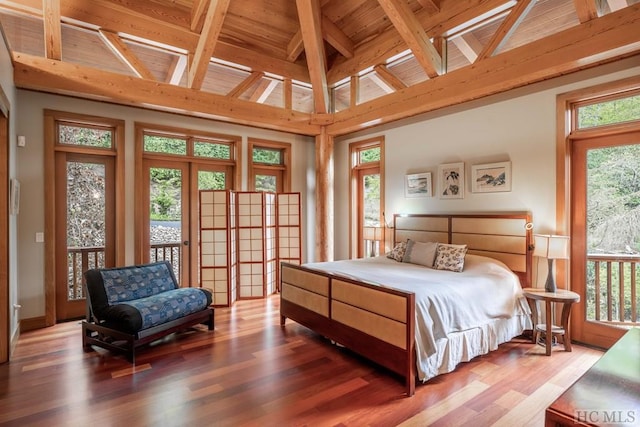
[251, 372]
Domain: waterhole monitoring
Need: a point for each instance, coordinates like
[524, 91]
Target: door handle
[186, 243]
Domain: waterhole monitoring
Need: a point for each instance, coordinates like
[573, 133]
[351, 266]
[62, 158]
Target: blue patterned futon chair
[131, 306]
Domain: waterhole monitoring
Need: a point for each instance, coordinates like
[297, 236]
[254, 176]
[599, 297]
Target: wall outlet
[39, 237]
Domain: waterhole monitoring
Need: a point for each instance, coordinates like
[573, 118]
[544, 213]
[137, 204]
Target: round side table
[567, 298]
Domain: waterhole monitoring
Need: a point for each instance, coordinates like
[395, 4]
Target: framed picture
[418, 185]
[491, 177]
[451, 181]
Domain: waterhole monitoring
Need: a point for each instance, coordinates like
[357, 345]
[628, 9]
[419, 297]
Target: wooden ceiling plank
[508, 26]
[125, 54]
[432, 6]
[599, 41]
[586, 10]
[237, 91]
[177, 70]
[387, 88]
[388, 77]
[197, 11]
[387, 44]
[311, 27]
[469, 45]
[616, 5]
[337, 38]
[413, 34]
[207, 43]
[35, 73]
[52, 29]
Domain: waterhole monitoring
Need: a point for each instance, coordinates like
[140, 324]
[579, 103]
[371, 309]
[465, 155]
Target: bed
[376, 307]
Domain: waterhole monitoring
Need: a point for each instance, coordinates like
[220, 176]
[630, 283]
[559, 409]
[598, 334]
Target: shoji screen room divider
[243, 238]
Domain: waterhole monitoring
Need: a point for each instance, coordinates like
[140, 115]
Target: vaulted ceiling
[304, 65]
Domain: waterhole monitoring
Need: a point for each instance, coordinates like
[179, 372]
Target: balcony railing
[612, 289]
[82, 259]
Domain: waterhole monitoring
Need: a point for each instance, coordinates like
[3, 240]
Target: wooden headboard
[503, 236]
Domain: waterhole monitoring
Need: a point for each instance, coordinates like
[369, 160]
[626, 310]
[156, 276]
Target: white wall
[6, 82]
[30, 172]
[518, 126]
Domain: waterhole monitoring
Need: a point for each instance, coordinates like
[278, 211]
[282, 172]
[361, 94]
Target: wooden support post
[324, 196]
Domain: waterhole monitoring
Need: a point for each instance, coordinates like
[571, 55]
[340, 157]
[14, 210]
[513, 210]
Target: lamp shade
[372, 233]
[551, 246]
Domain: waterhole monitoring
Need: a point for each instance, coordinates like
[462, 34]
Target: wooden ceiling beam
[35, 73]
[311, 27]
[207, 43]
[507, 27]
[262, 92]
[237, 91]
[586, 10]
[197, 12]
[177, 69]
[122, 51]
[413, 34]
[388, 77]
[331, 33]
[118, 19]
[387, 44]
[52, 29]
[469, 45]
[599, 41]
[337, 38]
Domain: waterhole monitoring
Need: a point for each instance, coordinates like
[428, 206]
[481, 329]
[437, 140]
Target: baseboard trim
[33, 323]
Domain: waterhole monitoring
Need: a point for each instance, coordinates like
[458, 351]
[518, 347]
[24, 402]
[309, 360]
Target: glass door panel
[606, 251]
[84, 226]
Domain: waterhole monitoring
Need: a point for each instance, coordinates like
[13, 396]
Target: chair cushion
[135, 315]
[110, 286]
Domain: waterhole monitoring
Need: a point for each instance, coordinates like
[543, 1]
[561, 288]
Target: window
[601, 112]
[269, 166]
[367, 197]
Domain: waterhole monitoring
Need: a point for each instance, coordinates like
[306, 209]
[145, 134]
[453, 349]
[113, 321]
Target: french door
[170, 211]
[605, 225]
[85, 225]
[369, 225]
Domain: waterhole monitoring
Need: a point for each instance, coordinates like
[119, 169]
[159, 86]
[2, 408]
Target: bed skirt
[465, 345]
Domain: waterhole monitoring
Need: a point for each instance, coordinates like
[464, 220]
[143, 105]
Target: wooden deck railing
[612, 289]
[82, 259]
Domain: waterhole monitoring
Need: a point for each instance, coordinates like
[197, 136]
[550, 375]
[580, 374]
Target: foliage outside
[89, 137]
[613, 214]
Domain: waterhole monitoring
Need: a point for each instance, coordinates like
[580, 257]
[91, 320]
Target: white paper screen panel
[217, 240]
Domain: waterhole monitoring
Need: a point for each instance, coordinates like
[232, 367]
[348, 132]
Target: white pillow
[450, 257]
[421, 253]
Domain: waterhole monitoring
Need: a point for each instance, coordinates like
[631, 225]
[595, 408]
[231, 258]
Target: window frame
[257, 168]
[357, 172]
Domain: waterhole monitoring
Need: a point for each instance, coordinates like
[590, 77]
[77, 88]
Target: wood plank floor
[251, 372]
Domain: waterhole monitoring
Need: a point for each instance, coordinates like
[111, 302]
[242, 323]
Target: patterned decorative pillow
[420, 253]
[450, 257]
[397, 253]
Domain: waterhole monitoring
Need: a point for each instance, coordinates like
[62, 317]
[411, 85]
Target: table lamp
[551, 247]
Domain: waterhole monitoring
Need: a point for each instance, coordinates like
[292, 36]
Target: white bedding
[446, 302]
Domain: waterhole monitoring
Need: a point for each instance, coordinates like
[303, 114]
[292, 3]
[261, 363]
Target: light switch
[22, 141]
[39, 237]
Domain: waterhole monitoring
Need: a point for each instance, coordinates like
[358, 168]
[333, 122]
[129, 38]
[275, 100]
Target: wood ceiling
[308, 66]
